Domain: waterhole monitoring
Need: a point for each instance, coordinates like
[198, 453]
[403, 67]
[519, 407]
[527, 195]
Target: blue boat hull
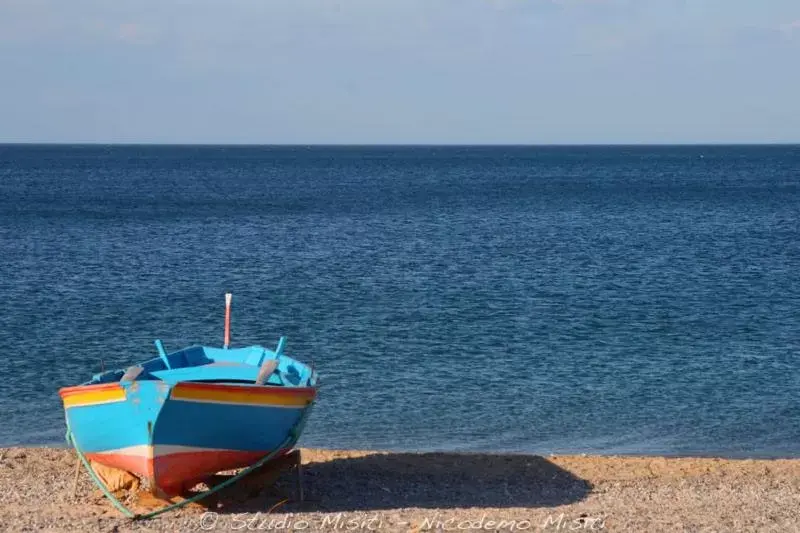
[176, 434]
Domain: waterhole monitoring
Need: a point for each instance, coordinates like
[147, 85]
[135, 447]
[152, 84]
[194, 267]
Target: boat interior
[203, 364]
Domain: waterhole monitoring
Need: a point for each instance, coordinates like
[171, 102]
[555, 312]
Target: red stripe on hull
[176, 472]
[135, 464]
[309, 392]
[183, 470]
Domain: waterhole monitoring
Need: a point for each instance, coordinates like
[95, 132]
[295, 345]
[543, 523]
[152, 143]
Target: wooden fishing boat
[177, 418]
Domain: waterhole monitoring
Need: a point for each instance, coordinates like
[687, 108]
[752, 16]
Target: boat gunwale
[255, 389]
[87, 387]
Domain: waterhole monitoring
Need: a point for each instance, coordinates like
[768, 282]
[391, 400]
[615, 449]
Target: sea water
[526, 299]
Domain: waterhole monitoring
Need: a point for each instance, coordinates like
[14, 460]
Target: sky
[400, 71]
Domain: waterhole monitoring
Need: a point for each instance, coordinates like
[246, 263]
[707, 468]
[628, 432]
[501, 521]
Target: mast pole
[228, 298]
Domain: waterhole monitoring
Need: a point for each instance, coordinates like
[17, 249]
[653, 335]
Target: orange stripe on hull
[92, 395]
[246, 395]
[79, 389]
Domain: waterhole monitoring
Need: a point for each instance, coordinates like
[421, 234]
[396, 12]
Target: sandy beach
[369, 491]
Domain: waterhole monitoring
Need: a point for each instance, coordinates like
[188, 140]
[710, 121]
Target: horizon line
[395, 145]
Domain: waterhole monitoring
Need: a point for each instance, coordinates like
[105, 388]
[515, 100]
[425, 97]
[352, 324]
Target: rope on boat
[290, 441]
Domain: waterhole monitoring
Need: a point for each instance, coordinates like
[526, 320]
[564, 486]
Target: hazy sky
[400, 71]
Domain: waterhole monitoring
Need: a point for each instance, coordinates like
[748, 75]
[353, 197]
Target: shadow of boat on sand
[379, 481]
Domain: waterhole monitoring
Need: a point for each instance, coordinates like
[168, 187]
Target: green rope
[97, 481]
[290, 441]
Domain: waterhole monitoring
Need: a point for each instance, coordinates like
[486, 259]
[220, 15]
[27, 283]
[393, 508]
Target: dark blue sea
[641, 300]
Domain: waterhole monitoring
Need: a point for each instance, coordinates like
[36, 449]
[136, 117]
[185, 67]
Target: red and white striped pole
[228, 298]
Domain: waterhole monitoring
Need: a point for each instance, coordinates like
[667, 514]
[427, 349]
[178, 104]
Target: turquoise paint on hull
[149, 416]
[144, 419]
[111, 426]
[227, 427]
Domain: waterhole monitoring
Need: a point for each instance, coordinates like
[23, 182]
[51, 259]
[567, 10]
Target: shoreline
[395, 491]
[577, 452]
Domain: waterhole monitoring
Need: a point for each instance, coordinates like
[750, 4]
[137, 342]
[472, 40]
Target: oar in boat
[270, 365]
